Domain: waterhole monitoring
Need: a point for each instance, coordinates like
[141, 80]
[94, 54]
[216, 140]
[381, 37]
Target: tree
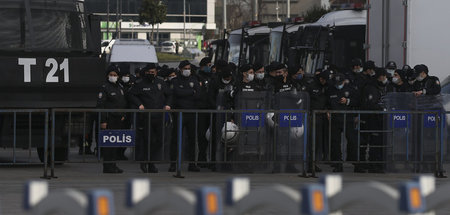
[152, 12]
[314, 14]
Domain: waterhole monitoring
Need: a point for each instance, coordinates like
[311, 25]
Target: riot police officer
[149, 93]
[260, 77]
[205, 77]
[340, 97]
[186, 94]
[281, 82]
[390, 67]
[372, 100]
[425, 84]
[399, 82]
[111, 96]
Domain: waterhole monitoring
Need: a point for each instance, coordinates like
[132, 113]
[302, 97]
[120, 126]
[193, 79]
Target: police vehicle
[50, 58]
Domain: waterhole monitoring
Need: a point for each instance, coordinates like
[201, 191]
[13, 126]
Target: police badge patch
[370, 97]
[346, 93]
[100, 95]
[159, 86]
[191, 84]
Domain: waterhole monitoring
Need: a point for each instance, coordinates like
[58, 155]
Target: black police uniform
[337, 121]
[372, 100]
[430, 85]
[186, 94]
[204, 119]
[152, 93]
[111, 96]
[318, 101]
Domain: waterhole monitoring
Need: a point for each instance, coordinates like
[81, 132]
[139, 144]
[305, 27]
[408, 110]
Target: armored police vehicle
[49, 58]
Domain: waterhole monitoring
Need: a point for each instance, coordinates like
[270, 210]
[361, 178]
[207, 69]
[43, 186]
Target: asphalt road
[87, 176]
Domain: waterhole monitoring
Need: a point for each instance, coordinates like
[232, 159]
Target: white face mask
[420, 78]
[250, 77]
[125, 79]
[390, 71]
[226, 81]
[112, 79]
[171, 77]
[395, 80]
[361, 69]
[411, 82]
[260, 76]
[186, 73]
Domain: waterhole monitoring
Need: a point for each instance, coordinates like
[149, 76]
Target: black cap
[112, 68]
[226, 72]
[326, 74]
[420, 68]
[410, 75]
[276, 66]
[369, 65]
[257, 66]
[245, 68]
[183, 64]
[232, 67]
[406, 67]
[338, 78]
[205, 61]
[149, 67]
[391, 65]
[356, 62]
[380, 72]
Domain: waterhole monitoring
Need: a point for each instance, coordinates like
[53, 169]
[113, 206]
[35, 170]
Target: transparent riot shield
[289, 129]
[414, 142]
[445, 128]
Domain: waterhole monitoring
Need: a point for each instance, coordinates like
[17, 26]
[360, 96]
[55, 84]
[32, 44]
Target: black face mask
[279, 78]
[150, 77]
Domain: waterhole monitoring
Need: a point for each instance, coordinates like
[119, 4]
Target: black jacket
[153, 94]
[429, 85]
[186, 92]
[111, 96]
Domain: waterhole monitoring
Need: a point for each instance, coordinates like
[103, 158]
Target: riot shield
[416, 137]
[290, 128]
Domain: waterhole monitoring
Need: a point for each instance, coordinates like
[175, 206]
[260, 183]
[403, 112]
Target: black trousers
[337, 127]
[149, 137]
[321, 137]
[188, 125]
[110, 153]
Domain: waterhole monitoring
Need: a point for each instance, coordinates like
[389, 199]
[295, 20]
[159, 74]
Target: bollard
[411, 198]
[236, 189]
[35, 192]
[314, 200]
[101, 202]
[209, 201]
[427, 184]
[137, 190]
[332, 183]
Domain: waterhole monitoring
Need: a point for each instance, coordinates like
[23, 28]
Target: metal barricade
[74, 127]
[25, 129]
[396, 144]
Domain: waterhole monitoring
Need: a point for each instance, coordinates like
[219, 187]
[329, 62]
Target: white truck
[409, 32]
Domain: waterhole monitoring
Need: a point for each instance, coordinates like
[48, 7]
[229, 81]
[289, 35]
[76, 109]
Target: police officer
[356, 76]
[260, 75]
[297, 75]
[399, 82]
[247, 84]
[205, 77]
[186, 94]
[316, 87]
[150, 93]
[390, 67]
[281, 82]
[111, 96]
[425, 84]
[372, 100]
[340, 97]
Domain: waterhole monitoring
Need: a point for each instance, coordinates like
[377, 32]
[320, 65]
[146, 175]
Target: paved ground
[88, 176]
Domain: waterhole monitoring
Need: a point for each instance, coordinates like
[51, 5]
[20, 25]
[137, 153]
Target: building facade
[121, 20]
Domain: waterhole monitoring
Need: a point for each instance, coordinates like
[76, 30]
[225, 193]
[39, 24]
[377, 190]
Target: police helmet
[230, 134]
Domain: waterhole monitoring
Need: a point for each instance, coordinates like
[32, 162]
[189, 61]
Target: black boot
[152, 168]
[193, 168]
[143, 167]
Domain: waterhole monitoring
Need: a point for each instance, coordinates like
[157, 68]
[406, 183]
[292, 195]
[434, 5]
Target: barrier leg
[180, 144]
